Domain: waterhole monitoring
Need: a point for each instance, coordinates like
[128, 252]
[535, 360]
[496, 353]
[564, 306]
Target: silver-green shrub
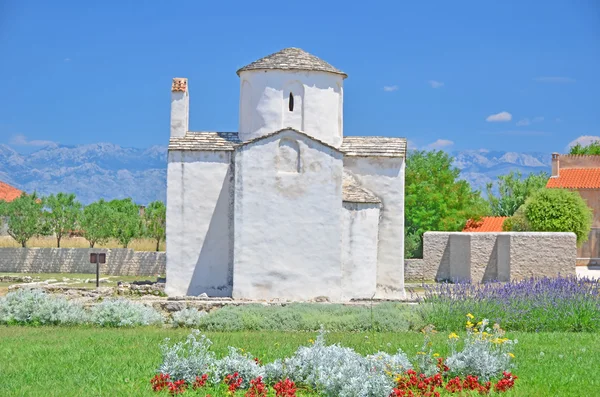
[124, 313]
[34, 306]
[188, 317]
[238, 361]
[333, 370]
[188, 359]
[486, 353]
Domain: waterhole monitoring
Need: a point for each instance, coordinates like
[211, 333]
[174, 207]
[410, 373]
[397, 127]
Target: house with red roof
[581, 173]
[8, 193]
[485, 224]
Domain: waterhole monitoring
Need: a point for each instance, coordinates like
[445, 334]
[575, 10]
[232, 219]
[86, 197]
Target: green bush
[413, 246]
[389, 317]
[559, 210]
[517, 222]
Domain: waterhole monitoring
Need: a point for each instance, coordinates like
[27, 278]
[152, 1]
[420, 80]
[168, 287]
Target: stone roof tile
[205, 141]
[352, 192]
[292, 59]
[373, 146]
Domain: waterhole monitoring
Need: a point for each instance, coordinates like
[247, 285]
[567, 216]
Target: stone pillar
[460, 257]
[503, 259]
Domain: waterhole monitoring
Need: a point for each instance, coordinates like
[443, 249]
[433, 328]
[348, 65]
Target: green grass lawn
[80, 361]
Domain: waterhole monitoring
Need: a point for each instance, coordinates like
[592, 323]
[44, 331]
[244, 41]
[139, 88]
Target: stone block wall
[119, 261]
[484, 257]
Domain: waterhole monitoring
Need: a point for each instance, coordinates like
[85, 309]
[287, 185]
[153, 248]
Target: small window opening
[291, 102]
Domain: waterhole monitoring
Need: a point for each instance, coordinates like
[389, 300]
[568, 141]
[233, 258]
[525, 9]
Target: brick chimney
[555, 165]
[180, 107]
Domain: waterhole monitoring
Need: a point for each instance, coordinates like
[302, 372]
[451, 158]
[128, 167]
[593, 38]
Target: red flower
[200, 382]
[177, 387]
[506, 383]
[234, 381]
[159, 382]
[285, 388]
[257, 388]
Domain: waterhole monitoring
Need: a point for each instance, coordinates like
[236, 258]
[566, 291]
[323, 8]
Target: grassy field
[140, 244]
[81, 361]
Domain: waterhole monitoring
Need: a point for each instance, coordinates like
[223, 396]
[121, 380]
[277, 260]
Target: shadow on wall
[491, 270]
[213, 271]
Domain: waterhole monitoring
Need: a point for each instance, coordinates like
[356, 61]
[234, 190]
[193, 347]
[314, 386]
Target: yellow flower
[470, 316]
[436, 354]
[453, 336]
[422, 353]
[479, 323]
[311, 341]
[511, 355]
[469, 324]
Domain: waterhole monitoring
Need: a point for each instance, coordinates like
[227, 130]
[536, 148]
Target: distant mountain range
[108, 171]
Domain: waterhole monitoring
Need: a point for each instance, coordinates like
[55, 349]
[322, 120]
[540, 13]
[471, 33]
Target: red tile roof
[576, 178]
[8, 193]
[486, 224]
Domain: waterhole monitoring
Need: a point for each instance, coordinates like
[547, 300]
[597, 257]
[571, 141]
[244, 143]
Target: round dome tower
[292, 88]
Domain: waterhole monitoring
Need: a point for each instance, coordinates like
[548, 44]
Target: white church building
[288, 207]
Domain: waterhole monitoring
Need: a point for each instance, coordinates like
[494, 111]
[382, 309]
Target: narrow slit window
[291, 102]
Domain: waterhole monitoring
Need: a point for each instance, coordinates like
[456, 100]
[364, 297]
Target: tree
[126, 220]
[436, 199]
[559, 210]
[25, 218]
[513, 190]
[63, 214]
[155, 219]
[593, 148]
[96, 222]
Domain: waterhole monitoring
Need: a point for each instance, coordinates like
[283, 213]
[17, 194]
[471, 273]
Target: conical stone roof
[292, 59]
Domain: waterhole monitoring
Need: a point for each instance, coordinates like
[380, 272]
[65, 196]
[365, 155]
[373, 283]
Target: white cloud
[499, 117]
[21, 140]
[411, 144]
[435, 84]
[390, 88]
[67, 60]
[527, 121]
[554, 80]
[583, 140]
[439, 144]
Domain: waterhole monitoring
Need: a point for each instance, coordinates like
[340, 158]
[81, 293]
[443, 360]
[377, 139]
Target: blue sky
[497, 75]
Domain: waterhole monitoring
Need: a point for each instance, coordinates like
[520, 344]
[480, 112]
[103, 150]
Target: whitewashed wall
[385, 178]
[180, 104]
[287, 224]
[360, 224]
[199, 196]
[318, 104]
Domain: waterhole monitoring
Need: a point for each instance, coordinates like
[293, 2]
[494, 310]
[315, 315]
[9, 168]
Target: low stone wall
[119, 261]
[483, 257]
